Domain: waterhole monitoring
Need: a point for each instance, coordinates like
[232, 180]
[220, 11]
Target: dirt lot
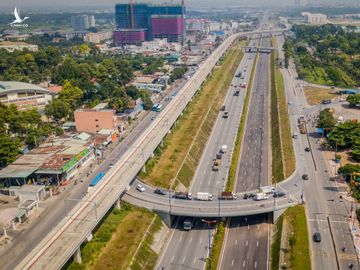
[315, 95]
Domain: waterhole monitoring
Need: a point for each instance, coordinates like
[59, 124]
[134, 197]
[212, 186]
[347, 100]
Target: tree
[355, 154]
[9, 149]
[348, 169]
[71, 95]
[353, 99]
[57, 110]
[326, 120]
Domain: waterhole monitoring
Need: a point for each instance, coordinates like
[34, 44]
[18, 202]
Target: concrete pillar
[117, 204]
[166, 217]
[77, 256]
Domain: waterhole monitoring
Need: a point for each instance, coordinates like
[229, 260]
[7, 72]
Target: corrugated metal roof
[15, 86]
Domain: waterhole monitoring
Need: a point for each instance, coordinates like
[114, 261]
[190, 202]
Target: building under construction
[138, 22]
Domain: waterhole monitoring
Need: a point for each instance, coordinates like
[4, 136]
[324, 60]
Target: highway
[61, 242]
[188, 249]
[246, 242]
[326, 212]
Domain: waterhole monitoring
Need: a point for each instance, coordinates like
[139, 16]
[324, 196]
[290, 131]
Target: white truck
[260, 197]
[204, 196]
[223, 149]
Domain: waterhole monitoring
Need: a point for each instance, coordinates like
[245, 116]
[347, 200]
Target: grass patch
[289, 161]
[213, 260]
[298, 255]
[276, 244]
[115, 240]
[314, 95]
[277, 167]
[146, 258]
[169, 161]
[235, 156]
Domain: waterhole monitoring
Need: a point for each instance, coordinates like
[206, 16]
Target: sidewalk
[352, 220]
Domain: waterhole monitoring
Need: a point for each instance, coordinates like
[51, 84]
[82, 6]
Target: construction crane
[132, 14]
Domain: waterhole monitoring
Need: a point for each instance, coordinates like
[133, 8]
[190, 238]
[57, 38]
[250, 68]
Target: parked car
[317, 237]
[307, 149]
[326, 101]
[140, 188]
[159, 191]
[248, 196]
[305, 177]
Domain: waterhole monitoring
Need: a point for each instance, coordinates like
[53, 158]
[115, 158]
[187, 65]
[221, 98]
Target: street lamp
[209, 222]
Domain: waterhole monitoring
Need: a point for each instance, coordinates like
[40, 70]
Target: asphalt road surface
[246, 245]
[24, 241]
[189, 249]
[326, 212]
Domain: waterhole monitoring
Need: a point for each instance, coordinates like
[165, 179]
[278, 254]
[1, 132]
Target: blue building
[142, 15]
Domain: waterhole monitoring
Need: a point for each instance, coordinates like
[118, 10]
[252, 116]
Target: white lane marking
[200, 240]
[255, 264]
[172, 259]
[248, 227]
[258, 227]
[183, 260]
[244, 264]
[236, 242]
[232, 263]
[194, 260]
[190, 239]
[246, 243]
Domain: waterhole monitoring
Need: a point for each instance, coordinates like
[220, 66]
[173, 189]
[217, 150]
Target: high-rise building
[145, 16]
[92, 21]
[82, 22]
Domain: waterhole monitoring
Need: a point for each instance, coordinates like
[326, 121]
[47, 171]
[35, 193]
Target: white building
[92, 21]
[24, 95]
[214, 26]
[12, 46]
[315, 18]
[97, 37]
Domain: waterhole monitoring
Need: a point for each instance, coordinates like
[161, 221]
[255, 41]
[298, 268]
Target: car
[248, 196]
[111, 165]
[223, 108]
[290, 103]
[326, 101]
[317, 237]
[159, 191]
[153, 118]
[305, 177]
[307, 149]
[140, 188]
[278, 194]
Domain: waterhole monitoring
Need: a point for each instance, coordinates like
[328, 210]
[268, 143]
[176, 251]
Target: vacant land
[315, 95]
[189, 137]
[116, 239]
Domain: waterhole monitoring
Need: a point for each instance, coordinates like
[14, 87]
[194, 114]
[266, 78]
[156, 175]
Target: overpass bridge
[255, 49]
[65, 238]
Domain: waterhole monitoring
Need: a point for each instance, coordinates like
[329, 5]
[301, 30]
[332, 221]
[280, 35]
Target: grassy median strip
[116, 240]
[276, 244]
[296, 250]
[213, 260]
[283, 157]
[240, 133]
[277, 167]
[189, 137]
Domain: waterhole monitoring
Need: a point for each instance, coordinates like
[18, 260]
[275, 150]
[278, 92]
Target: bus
[159, 108]
[96, 180]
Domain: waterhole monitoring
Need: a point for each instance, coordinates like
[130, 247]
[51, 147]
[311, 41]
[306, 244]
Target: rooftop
[11, 86]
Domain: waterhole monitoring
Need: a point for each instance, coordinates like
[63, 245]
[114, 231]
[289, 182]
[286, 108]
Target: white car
[140, 188]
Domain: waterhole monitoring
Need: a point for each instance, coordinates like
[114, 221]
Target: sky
[75, 4]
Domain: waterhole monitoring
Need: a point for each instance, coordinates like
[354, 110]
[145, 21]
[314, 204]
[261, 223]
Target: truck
[260, 197]
[188, 224]
[225, 195]
[96, 180]
[183, 195]
[243, 85]
[204, 196]
[216, 164]
[223, 149]
[226, 114]
[302, 127]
